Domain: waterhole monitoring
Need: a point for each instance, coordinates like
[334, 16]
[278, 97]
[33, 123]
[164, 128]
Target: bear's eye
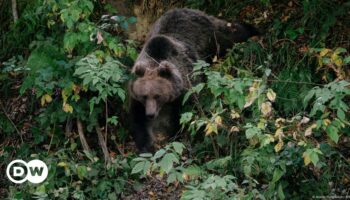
[144, 97]
[156, 96]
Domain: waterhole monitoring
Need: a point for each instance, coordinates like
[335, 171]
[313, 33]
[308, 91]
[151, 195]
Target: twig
[53, 134]
[13, 124]
[68, 129]
[106, 128]
[197, 103]
[14, 11]
[283, 40]
[217, 46]
[82, 136]
[102, 144]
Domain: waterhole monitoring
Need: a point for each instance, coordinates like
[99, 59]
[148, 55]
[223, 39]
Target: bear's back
[194, 28]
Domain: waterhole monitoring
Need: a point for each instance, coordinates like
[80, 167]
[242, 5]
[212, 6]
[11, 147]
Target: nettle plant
[237, 117]
[165, 161]
[79, 58]
[225, 99]
[330, 109]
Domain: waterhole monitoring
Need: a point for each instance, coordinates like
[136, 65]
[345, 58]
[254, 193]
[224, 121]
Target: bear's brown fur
[177, 39]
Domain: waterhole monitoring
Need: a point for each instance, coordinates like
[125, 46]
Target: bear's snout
[151, 109]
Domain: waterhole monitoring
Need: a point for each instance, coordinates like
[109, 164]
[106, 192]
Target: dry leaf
[211, 128]
[266, 109]
[307, 159]
[67, 108]
[305, 120]
[45, 99]
[279, 133]
[218, 120]
[339, 62]
[279, 122]
[99, 37]
[234, 114]
[308, 131]
[279, 146]
[271, 95]
[324, 52]
[234, 129]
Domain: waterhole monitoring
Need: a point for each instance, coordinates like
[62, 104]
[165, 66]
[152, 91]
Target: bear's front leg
[139, 127]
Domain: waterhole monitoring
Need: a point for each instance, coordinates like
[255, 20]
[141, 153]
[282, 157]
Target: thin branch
[13, 124]
[82, 136]
[106, 128]
[102, 143]
[14, 10]
[52, 135]
[199, 107]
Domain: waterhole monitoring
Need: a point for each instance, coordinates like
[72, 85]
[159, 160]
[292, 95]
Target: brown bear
[177, 39]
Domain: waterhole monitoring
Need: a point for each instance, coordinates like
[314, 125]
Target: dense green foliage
[271, 121]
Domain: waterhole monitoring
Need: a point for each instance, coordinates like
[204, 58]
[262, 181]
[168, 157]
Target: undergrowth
[271, 121]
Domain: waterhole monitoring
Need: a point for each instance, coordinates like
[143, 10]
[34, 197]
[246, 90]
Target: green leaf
[167, 162]
[251, 132]
[280, 192]
[82, 172]
[341, 114]
[346, 60]
[179, 147]
[277, 174]
[314, 157]
[308, 97]
[193, 171]
[187, 95]
[146, 155]
[138, 168]
[146, 166]
[332, 132]
[159, 154]
[70, 40]
[171, 178]
[186, 117]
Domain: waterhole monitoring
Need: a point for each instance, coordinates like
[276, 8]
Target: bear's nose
[150, 116]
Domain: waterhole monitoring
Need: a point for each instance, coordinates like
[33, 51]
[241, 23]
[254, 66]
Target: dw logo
[35, 171]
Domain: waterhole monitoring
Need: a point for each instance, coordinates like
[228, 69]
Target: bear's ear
[139, 70]
[165, 69]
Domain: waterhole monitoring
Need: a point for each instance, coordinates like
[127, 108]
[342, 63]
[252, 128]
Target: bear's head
[154, 87]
